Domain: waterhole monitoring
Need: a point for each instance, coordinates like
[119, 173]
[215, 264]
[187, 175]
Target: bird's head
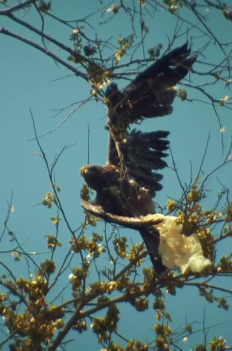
[93, 176]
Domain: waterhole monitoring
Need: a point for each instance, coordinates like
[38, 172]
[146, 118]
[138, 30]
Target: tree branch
[45, 51]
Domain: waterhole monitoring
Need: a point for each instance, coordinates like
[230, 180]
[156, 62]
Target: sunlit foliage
[81, 285]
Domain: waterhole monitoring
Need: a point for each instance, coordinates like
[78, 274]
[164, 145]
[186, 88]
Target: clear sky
[31, 80]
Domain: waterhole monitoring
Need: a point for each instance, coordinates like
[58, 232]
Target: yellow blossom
[113, 8]
[171, 205]
[111, 286]
[182, 94]
[55, 220]
[222, 101]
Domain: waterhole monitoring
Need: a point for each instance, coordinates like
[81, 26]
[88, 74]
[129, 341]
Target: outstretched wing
[141, 155]
[152, 92]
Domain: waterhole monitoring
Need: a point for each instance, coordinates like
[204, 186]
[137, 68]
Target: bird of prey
[127, 183]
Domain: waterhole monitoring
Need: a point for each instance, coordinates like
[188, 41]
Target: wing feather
[152, 92]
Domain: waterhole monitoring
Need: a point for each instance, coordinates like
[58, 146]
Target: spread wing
[140, 155]
[152, 92]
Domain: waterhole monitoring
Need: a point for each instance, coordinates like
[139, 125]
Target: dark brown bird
[126, 185]
[128, 191]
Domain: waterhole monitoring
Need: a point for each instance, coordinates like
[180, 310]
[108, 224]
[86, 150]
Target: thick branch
[47, 37]
[44, 50]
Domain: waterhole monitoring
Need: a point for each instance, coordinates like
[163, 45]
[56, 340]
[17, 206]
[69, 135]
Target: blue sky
[30, 80]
